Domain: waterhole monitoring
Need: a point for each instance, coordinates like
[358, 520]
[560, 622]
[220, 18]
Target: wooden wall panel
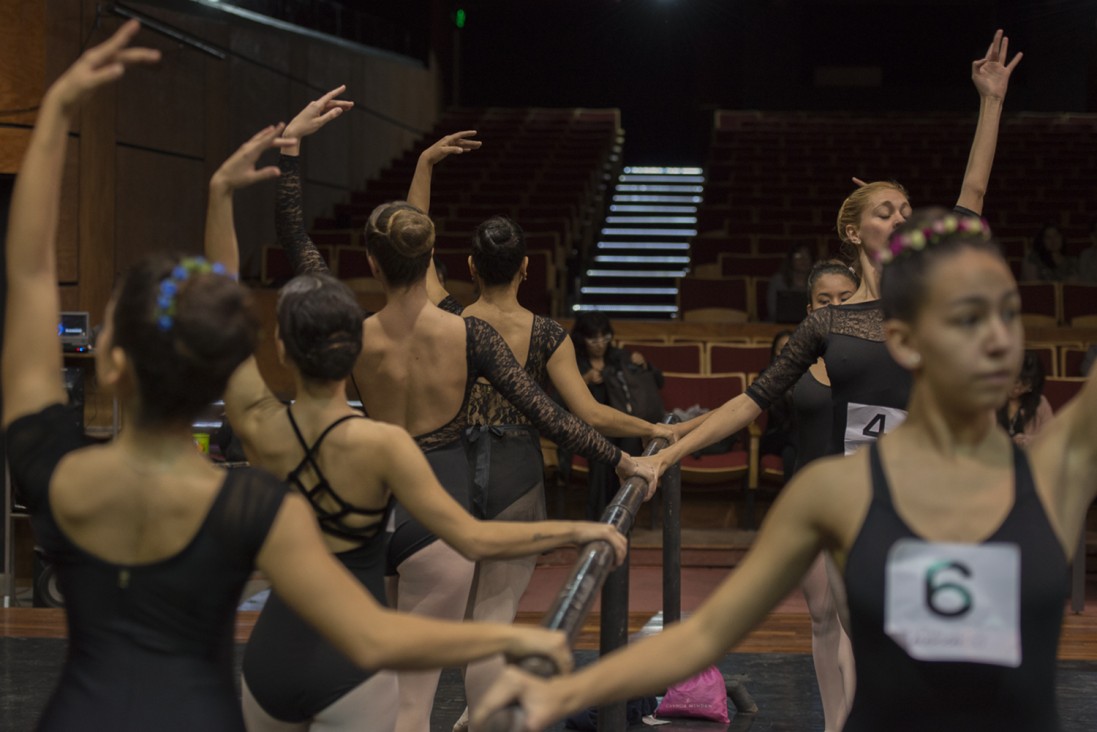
[68, 228]
[22, 57]
[13, 145]
[160, 205]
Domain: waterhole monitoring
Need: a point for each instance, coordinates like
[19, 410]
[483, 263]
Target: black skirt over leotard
[151, 645]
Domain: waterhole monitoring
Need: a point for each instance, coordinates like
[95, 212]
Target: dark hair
[1032, 374]
[831, 267]
[401, 238]
[441, 269]
[786, 263]
[182, 369]
[943, 234]
[589, 324]
[320, 323]
[1039, 244]
[776, 339]
[498, 248]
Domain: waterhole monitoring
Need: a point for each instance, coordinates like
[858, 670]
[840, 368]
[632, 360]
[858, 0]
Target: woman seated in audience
[1047, 259]
[410, 373]
[953, 540]
[1027, 411]
[598, 360]
[792, 277]
[152, 543]
[349, 468]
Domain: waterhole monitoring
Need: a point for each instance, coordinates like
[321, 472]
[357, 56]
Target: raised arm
[32, 351]
[289, 220]
[990, 75]
[455, 144]
[409, 475]
[246, 395]
[564, 373]
[319, 589]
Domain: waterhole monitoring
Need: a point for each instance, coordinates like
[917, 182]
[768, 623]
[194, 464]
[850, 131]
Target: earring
[914, 361]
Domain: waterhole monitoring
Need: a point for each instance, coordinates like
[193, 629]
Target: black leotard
[869, 390]
[151, 645]
[504, 448]
[331, 522]
[814, 419]
[291, 671]
[897, 692]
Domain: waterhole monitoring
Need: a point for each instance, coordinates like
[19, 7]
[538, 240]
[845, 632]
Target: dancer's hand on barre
[541, 643]
[98, 66]
[537, 697]
[595, 531]
[640, 468]
[239, 170]
[315, 115]
[454, 144]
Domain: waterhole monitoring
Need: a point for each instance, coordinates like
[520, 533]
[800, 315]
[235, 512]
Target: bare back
[514, 325]
[413, 369]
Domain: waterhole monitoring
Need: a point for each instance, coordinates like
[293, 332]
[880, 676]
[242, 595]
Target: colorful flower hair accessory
[170, 285]
[919, 239]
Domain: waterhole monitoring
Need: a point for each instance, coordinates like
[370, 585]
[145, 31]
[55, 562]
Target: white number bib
[955, 602]
[865, 423]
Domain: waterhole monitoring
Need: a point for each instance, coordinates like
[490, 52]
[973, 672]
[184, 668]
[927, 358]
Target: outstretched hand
[455, 144]
[318, 113]
[991, 73]
[239, 170]
[100, 65]
[514, 686]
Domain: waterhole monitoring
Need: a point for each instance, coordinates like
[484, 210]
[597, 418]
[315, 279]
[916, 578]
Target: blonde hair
[851, 210]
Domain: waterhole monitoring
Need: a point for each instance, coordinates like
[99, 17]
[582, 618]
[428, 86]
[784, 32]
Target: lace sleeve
[450, 305]
[493, 359]
[289, 220]
[807, 344]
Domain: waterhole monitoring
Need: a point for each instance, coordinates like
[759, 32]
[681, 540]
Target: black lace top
[450, 305]
[487, 406]
[863, 376]
[486, 353]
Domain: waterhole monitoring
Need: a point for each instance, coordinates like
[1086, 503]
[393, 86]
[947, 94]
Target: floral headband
[918, 239]
[169, 287]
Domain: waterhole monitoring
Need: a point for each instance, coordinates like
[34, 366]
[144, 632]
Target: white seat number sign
[866, 423]
[954, 602]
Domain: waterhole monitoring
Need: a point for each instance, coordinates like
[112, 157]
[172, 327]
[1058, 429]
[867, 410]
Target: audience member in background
[598, 358]
[793, 276]
[1027, 410]
[1087, 261]
[1047, 259]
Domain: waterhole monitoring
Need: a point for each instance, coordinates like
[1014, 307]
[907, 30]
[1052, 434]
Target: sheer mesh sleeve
[250, 502]
[36, 443]
[807, 344]
[289, 220]
[450, 305]
[493, 359]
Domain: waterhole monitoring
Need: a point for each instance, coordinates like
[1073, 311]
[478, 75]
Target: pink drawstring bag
[703, 696]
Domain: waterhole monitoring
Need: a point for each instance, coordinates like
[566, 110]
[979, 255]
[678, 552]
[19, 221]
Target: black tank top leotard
[292, 672]
[869, 391]
[811, 401]
[150, 645]
[897, 692]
